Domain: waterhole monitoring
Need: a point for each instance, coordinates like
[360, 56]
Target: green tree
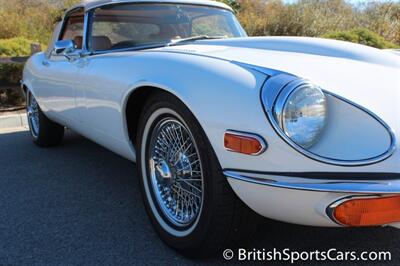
[18, 46]
[361, 36]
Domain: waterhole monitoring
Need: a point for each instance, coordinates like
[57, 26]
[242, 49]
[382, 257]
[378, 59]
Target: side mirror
[64, 47]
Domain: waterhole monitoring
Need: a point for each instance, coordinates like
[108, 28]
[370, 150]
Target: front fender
[221, 95]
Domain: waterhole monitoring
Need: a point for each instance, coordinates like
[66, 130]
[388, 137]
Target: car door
[59, 81]
[111, 29]
[102, 84]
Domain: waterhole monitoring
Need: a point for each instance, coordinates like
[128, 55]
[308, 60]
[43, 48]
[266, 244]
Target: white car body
[395, 51]
[221, 81]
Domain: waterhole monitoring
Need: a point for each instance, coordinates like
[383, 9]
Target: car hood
[367, 76]
[396, 52]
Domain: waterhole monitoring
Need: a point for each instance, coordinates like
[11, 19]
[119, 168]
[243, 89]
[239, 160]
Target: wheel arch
[27, 87]
[26, 90]
[134, 104]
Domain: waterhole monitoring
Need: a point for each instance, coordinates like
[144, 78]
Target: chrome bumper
[318, 185]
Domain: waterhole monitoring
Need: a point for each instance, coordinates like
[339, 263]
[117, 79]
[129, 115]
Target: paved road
[80, 204]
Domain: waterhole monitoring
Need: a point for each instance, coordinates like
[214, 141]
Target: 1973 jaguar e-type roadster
[301, 130]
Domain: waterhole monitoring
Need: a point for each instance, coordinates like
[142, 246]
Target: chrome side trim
[355, 187]
[263, 143]
[269, 101]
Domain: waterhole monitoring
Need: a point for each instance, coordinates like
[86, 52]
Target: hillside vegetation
[375, 23]
[322, 18]
[18, 46]
[31, 19]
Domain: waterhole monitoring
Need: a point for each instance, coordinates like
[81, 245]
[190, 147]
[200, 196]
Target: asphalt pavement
[79, 204]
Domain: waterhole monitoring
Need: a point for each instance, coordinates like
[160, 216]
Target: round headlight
[302, 115]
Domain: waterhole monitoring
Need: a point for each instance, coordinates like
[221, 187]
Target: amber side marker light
[244, 143]
[368, 211]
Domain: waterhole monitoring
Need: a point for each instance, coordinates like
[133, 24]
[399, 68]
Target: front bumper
[302, 200]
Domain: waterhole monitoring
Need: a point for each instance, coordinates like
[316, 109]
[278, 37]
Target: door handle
[45, 63]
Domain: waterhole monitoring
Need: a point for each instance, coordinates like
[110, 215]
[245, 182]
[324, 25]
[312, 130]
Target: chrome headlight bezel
[307, 139]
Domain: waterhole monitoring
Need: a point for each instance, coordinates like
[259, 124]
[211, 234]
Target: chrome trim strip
[270, 105]
[263, 143]
[126, 2]
[351, 186]
[85, 33]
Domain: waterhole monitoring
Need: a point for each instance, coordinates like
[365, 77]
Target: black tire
[46, 133]
[224, 220]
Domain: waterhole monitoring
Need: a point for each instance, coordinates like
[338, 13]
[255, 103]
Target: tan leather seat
[101, 43]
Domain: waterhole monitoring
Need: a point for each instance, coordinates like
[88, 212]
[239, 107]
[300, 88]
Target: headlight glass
[304, 115]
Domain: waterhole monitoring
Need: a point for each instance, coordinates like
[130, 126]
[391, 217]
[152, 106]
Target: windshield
[137, 25]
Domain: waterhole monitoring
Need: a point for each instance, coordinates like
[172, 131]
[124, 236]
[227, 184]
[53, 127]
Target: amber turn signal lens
[368, 212]
[245, 144]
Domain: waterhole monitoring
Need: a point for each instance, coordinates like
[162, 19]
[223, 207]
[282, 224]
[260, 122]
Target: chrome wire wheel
[176, 175]
[33, 115]
[186, 195]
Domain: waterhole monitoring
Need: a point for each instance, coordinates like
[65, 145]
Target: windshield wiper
[194, 38]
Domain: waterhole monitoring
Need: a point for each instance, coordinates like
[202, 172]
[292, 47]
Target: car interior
[126, 26]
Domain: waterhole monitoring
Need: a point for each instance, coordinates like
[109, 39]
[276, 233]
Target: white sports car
[302, 130]
[395, 51]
